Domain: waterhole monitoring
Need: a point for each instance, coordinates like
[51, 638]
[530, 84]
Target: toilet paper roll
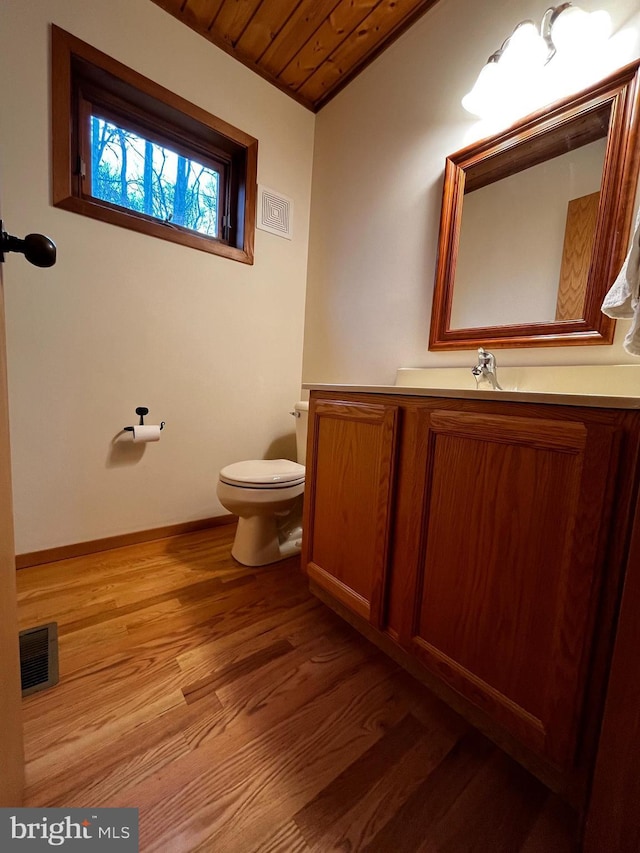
[146, 432]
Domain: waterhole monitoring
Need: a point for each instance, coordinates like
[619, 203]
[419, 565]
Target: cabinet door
[513, 535]
[348, 502]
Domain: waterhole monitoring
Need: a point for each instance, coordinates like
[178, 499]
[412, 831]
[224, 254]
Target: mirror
[535, 224]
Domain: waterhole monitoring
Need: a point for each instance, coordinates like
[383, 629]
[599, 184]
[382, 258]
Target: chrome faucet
[486, 369]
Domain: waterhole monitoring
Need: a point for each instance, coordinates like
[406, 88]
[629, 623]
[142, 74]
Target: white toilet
[266, 495]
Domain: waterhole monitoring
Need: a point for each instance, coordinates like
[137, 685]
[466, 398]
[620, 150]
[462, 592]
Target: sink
[607, 380]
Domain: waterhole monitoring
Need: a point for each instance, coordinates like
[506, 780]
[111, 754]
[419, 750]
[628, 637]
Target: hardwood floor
[239, 714]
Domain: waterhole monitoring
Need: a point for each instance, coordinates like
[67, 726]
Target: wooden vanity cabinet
[513, 532]
[484, 540]
[349, 484]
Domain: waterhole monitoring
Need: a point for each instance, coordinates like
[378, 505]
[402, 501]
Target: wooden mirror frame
[535, 139]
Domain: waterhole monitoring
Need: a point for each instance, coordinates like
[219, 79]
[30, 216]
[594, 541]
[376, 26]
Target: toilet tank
[301, 412]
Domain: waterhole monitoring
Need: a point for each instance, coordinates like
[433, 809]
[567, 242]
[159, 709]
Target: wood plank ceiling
[308, 48]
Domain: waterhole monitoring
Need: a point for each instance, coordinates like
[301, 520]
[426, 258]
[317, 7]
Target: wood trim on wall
[82, 549]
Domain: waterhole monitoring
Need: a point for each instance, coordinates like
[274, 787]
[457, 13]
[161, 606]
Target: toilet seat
[263, 474]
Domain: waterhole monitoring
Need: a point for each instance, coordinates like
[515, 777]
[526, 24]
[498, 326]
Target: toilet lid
[263, 473]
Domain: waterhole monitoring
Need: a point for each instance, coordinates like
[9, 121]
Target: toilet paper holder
[142, 411]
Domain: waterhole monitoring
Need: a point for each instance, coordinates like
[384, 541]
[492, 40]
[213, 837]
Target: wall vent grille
[39, 658]
[275, 212]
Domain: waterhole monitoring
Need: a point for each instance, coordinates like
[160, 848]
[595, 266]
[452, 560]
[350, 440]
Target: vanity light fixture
[511, 71]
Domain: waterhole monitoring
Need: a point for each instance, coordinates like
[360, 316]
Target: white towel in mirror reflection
[623, 299]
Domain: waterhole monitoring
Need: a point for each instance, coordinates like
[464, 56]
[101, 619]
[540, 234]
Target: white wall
[211, 346]
[379, 158]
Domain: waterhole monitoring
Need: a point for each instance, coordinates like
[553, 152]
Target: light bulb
[478, 100]
[525, 48]
[599, 27]
[576, 31]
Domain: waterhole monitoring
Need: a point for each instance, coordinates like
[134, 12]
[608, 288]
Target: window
[134, 172]
[129, 152]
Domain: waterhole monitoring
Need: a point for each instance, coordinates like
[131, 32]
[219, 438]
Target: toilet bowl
[266, 495]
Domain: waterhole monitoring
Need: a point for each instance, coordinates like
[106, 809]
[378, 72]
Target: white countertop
[522, 396]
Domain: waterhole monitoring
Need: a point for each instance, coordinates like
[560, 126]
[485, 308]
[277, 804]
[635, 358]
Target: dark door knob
[37, 249]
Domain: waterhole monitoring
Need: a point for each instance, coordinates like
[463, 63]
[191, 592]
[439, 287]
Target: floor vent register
[39, 658]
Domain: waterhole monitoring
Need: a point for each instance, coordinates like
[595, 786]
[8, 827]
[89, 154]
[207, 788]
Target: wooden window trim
[77, 67]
